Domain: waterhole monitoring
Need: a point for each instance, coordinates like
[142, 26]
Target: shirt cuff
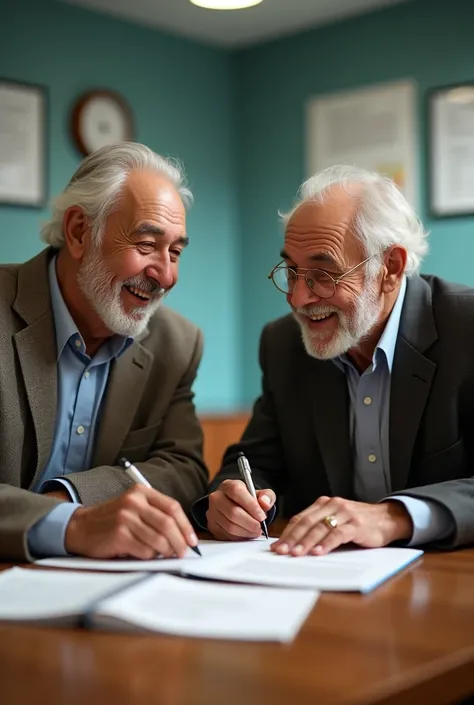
[200, 507]
[52, 485]
[46, 537]
[431, 521]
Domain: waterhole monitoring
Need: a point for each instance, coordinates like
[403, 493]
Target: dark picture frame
[447, 109]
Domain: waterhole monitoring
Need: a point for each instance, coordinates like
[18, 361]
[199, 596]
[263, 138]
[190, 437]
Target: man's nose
[302, 294]
[161, 272]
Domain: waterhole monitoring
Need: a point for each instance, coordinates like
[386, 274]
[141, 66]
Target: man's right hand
[140, 523]
[234, 514]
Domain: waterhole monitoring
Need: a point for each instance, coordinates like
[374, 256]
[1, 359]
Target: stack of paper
[359, 570]
[158, 603]
[346, 569]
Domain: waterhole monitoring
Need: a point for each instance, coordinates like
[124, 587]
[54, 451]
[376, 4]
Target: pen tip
[196, 550]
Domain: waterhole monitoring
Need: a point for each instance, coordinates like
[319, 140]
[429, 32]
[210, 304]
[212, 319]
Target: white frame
[23, 171]
[451, 154]
[399, 100]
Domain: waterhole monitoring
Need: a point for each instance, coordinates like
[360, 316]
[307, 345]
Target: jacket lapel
[330, 408]
[36, 348]
[125, 388]
[412, 376]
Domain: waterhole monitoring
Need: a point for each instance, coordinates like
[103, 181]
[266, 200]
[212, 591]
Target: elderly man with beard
[364, 427]
[93, 369]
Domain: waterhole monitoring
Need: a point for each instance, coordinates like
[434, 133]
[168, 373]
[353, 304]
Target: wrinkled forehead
[326, 227]
[147, 190]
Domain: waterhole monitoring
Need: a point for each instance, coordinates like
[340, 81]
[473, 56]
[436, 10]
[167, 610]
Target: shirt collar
[388, 339]
[64, 324]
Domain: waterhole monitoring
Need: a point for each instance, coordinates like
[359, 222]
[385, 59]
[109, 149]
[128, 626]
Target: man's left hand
[59, 494]
[367, 525]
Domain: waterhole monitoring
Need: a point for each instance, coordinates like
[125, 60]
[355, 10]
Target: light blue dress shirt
[81, 385]
[369, 395]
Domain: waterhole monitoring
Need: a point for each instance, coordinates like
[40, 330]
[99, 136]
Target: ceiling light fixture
[226, 4]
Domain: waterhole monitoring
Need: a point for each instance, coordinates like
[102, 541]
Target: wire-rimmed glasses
[319, 282]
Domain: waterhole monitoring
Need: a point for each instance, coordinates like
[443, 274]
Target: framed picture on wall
[373, 127]
[451, 150]
[23, 153]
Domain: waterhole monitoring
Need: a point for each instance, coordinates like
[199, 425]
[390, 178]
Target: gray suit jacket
[147, 415]
[298, 441]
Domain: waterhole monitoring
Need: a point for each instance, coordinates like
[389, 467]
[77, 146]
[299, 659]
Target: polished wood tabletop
[410, 641]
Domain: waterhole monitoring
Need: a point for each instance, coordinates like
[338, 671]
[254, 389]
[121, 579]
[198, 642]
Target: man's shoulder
[443, 287]
[282, 328]
[170, 327]
[283, 335]
[8, 284]
[450, 300]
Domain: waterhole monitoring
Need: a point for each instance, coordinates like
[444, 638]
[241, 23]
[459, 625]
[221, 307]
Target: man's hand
[234, 514]
[140, 523]
[59, 494]
[367, 525]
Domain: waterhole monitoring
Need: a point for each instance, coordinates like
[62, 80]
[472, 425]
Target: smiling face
[125, 277]
[321, 237]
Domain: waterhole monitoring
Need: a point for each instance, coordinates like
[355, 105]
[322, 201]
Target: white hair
[384, 217]
[97, 184]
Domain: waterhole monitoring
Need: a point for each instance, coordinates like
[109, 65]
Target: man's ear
[395, 260]
[75, 227]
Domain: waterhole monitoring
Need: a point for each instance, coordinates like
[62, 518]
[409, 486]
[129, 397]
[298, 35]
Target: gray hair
[97, 184]
[384, 217]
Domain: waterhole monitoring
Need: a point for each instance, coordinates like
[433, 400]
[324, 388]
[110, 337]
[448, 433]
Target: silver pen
[135, 475]
[246, 475]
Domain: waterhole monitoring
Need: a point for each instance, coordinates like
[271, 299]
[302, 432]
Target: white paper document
[195, 608]
[47, 595]
[346, 569]
[154, 603]
[209, 549]
[354, 570]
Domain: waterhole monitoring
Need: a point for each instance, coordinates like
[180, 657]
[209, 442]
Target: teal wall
[237, 122]
[181, 95]
[430, 41]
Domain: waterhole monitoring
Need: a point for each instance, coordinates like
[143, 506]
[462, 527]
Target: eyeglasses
[319, 282]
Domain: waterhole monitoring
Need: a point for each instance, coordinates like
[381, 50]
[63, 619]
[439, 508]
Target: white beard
[97, 284]
[352, 329]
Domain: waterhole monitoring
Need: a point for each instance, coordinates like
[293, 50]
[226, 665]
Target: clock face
[101, 118]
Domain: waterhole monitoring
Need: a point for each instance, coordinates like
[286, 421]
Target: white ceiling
[234, 28]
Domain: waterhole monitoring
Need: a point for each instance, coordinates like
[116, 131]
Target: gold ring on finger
[331, 522]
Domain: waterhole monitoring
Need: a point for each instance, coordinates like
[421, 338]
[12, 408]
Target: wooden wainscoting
[220, 430]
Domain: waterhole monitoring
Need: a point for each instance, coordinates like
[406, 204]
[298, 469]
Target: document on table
[352, 570]
[54, 596]
[153, 603]
[195, 608]
[209, 549]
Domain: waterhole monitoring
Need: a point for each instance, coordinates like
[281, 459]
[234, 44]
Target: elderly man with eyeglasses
[363, 432]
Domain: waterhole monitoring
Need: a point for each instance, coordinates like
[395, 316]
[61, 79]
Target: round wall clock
[100, 117]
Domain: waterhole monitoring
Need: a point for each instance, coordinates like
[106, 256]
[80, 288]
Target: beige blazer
[148, 413]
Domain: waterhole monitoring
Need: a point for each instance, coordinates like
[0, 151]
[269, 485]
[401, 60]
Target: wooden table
[411, 642]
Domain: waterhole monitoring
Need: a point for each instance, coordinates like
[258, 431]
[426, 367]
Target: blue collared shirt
[369, 395]
[81, 385]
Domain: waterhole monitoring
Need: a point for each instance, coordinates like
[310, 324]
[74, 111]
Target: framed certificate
[451, 150]
[373, 127]
[23, 117]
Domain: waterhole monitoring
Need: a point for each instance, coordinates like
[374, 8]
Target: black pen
[246, 475]
[135, 475]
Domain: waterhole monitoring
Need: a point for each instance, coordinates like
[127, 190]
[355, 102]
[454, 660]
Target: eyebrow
[322, 257]
[148, 229]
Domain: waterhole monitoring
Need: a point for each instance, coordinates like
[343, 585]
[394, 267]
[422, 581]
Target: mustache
[146, 284]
